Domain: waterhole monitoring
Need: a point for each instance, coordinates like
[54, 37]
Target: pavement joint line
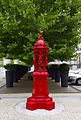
[76, 89]
[8, 97]
[2, 86]
[67, 96]
[53, 96]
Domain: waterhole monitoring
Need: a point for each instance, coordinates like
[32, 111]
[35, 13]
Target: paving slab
[25, 86]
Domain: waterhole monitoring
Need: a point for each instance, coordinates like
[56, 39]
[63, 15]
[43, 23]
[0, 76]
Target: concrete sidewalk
[71, 103]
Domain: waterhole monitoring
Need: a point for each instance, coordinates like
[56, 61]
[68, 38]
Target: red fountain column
[40, 98]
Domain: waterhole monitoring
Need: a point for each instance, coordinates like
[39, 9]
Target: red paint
[40, 98]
